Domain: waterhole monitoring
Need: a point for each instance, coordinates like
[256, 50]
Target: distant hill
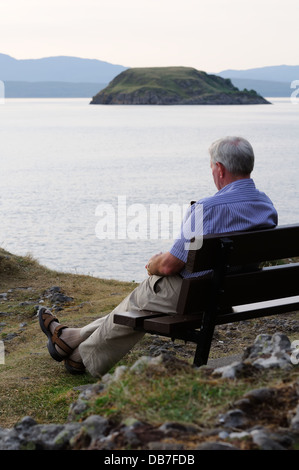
[275, 73]
[172, 85]
[55, 77]
[268, 81]
[57, 69]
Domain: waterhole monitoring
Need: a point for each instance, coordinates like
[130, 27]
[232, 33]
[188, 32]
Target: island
[173, 86]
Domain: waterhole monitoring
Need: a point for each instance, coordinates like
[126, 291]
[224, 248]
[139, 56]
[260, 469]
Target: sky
[210, 35]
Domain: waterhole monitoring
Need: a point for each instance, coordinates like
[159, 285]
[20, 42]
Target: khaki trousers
[105, 343]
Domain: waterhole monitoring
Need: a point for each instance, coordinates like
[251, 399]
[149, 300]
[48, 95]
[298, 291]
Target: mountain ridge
[274, 73]
[274, 81]
[57, 69]
[36, 77]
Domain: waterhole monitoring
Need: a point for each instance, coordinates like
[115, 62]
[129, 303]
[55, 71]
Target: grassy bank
[32, 384]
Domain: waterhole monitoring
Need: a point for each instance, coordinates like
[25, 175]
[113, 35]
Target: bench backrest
[235, 278]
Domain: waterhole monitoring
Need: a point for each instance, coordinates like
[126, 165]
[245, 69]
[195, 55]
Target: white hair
[235, 153]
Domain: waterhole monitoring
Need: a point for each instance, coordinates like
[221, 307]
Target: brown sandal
[45, 319]
[74, 367]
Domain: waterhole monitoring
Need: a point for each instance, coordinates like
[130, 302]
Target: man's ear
[221, 169]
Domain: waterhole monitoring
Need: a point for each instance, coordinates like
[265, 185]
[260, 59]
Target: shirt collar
[237, 184]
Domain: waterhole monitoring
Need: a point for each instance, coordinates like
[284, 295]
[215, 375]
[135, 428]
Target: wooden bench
[237, 287]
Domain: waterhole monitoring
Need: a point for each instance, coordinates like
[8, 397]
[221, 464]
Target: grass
[32, 384]
[180, 81]
[155, 396]
[173, 391]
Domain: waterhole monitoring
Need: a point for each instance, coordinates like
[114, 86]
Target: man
[237, 205]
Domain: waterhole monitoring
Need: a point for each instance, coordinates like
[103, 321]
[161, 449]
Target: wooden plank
[255, 312]
[172, 324]
[248, 247]
[134, 319]
[195, 295]
[268, 284]
[238, 289]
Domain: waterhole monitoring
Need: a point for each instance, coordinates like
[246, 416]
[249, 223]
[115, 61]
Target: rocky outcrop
[152, 97]
[173, 86]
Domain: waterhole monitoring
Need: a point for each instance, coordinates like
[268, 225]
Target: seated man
[237, 205]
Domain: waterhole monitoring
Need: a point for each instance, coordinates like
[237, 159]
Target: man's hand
[164, 264]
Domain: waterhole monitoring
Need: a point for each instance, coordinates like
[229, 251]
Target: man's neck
[229, 178]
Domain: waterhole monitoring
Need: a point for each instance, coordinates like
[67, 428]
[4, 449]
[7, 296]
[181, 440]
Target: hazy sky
[210, 35]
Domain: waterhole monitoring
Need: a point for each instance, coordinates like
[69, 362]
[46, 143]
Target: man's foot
[62, 341]
[75, 367]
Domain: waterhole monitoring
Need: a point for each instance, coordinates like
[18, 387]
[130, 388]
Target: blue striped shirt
[237, 206]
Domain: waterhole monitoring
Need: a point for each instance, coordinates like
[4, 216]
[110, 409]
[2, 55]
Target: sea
[97, 190]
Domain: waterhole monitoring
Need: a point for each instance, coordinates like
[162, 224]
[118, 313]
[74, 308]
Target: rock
[55, 295]
[146, 361]
[81, 404]
[28, 435]
[118, 373]
[93, 429]
[216, 446]
[231, 371]
[262, 439]
[261, 395]
[270, 351]
[233, 419]
[170, 428]
[266, 352]
[10, 336]
[295, 420]
[61, 298]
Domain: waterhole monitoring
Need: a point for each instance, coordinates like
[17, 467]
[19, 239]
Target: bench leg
[204, 342]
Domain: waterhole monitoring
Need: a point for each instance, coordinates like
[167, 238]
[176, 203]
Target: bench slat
[268, 284]
[239, 289]
[248, 247]
[134, 319]
[172, 324]
[255, 312]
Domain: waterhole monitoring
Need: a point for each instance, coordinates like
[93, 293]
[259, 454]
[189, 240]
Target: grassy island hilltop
[173, 86]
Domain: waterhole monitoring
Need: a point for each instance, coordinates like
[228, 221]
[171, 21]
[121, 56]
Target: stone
[260, 395]
[95, 427]
[230, 371]
[233, 419]
[295, 420]
[175, 428]
[216, 446]
[264, 441]
[266, 352]
[270, 352]
[146, 361]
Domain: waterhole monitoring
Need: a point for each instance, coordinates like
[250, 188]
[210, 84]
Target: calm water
[61, 159]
